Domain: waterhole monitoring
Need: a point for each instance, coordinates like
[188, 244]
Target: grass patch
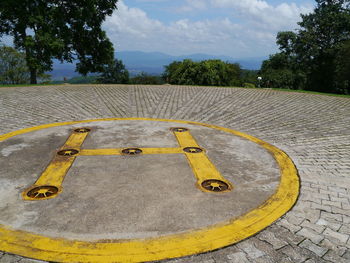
[314, 92]
[298, 91]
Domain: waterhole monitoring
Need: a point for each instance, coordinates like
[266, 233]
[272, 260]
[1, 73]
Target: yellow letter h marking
[49, 184]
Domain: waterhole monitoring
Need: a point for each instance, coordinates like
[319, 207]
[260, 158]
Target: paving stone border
[314, 130]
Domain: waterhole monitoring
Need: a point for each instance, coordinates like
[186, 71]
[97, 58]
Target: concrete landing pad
[130, 190]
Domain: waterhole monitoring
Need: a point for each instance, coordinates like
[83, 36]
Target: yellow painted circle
[176, 245]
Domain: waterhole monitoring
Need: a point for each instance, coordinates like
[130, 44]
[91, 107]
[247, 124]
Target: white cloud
[131, 28]
[263, 15]
[248, 28]
[253, 35]
[131, 21]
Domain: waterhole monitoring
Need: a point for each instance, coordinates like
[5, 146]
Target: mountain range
[153, 62]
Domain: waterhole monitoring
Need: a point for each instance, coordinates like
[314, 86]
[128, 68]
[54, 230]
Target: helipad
[131, 190]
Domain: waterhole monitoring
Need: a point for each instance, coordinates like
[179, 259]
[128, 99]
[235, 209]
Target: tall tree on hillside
[320, 39]
[61, 29]
[277, 72]
[314, 48]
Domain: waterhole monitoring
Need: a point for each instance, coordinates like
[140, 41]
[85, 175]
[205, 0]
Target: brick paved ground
[313, 129]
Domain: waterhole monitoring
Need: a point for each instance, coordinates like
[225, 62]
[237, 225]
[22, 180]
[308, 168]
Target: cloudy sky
[237, 28]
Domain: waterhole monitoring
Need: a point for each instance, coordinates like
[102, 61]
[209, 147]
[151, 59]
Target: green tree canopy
[342, 70]
[114, 73]
[207, 72]
[313, 52]
[13, 67]
[281, 71]
[61, 29]
[144, 78]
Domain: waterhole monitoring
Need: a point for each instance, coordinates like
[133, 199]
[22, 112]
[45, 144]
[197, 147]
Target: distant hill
[153, 62]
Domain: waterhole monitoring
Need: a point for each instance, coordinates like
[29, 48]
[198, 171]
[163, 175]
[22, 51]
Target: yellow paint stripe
[185, 139]
[92, 152]
[118, 151]
[197, 241]
[161, 150]
[202, 167]
[56, 171]
[75, 140]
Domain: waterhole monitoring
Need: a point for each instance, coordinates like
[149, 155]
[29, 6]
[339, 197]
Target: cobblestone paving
[313, 129]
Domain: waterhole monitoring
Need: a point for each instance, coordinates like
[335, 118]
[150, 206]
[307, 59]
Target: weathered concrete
[314, 130]
[118, 197]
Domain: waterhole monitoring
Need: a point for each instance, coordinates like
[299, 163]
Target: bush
[144, 78]
[206, 73]
[248, 85]
[114, 73]
[276, 72]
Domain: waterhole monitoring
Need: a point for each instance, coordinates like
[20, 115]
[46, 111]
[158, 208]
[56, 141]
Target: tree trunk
[33, 76]
[33, 71]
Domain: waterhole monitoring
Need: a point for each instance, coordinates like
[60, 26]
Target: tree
[314, 50]
[182, 73]
[218, 73]
[83, 80]
[233, 74]
[281, 71]
[319, 40]
[342, 78]
[114, 73]
[207, 72]
[144, 78]
[286, 41]
[249, 77]
[169, 73]
[44, 78]
[61, 29]
[13, 67]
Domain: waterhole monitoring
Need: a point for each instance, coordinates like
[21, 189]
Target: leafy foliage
[114, 73]
[61, 29]
[207, 72]
[83, 80]
[342, 70]
[44, 78]
[144, 78]
[312, 57]
[249, 78]
[281, 71]
[13, 67]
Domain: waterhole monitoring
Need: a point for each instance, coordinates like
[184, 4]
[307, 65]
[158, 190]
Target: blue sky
[237, 28]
